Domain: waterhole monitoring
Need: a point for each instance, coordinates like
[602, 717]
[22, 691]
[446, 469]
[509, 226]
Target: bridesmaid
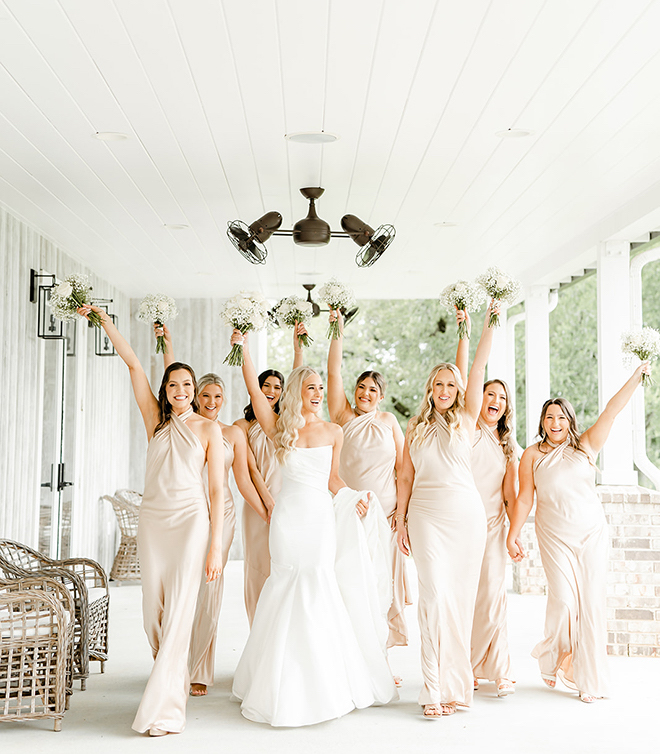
[210, 391]
[573, 539]
[371, 459]
[495, 469]
[173, 531]
[265, 472]
[446, 527]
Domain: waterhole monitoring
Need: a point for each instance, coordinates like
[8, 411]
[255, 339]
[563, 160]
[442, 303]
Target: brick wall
[633, 593]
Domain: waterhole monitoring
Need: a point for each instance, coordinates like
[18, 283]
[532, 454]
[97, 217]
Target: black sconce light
[102, 343]
[48, 326]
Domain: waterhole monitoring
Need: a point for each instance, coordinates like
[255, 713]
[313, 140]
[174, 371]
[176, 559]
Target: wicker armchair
[35, 650]
[88, 584]
[126, 566]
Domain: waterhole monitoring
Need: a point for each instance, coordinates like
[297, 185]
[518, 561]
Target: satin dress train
[447, 532]
[490, 645]
[302, 663]
[574, 541]
[209, 599]
[368, 460]
[256, 563]
[173, 534]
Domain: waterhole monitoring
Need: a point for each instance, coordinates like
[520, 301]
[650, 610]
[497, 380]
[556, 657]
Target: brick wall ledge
[620, 493]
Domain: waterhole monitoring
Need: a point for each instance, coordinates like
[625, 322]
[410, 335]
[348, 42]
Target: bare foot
[448, 708]
[504, 687]
[550, 682]
[476, 684]
[398, 681]
[588, 698]
[198, 689]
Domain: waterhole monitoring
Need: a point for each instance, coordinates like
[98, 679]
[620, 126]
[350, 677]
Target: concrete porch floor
[534, 720]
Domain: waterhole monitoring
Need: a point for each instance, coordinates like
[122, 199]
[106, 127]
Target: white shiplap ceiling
[207, 89]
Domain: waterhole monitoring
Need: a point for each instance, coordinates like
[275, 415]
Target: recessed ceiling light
[312, 137]
[445, 225]
[514, 133]
[110, 136]
[175, 226]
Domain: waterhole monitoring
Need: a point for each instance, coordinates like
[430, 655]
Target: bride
[303, 662]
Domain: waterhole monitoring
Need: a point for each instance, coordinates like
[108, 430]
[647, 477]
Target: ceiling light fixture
[514, 133]
[312, 137]
[175, 226]
[110, 136]
[311, 231]
[445, 225]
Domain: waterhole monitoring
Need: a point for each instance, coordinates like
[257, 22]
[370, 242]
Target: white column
[616, 459]
[537, 355]
[497, 363]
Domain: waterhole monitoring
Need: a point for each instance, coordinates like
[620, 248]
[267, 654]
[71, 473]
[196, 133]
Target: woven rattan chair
[88, 584]
[58, 590]
[126, 566]
[34, 653]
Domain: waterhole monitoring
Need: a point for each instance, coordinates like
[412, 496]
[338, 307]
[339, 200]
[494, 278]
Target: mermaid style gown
[573, 539]
[173, 535]
[302, 663]
[209, 599]
[368, 459]
[256, 565]
[490, 645]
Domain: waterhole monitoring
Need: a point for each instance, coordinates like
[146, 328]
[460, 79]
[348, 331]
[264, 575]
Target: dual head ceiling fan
[310, 231]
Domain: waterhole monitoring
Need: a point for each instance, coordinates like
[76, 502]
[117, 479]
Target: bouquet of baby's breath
[291, 310]
[157, 309]
[245, 311]
[464, 296]
[500, 287]
[645, 344]
[66, 297]
[337, 296]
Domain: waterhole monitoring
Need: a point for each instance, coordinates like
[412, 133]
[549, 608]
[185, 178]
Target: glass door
[58, 444]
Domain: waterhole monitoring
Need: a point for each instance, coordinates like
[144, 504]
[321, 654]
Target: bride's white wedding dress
[302, 663]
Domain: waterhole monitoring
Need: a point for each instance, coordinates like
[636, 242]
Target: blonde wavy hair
[290, 419]
[425, 416]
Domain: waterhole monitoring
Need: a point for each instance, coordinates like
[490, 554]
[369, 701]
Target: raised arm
[339, 407]
[242, 474]
[144, 397]
[298, 359]
[523, 505]
[266, 417]
[168, 354]
[475, 384]
[463, 348]
[594, 438]
[215, 459]
[335, 482]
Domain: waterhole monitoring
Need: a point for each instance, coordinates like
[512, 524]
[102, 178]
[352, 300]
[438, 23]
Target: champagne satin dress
[256, 563]
[173, 535]
[367, 462]
[573, 539]
[447, 532]
[490, 645]
[209, 599]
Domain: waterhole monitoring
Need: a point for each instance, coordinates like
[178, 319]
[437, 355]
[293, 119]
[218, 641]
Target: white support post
[537, 355]
[497, 363]
[614, 319]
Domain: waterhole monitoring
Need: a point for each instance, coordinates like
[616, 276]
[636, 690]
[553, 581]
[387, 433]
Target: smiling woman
[173, 530]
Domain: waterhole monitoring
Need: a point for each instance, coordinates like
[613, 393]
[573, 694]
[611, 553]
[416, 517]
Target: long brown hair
[505, 422]
[248, 411]
[164, 406]
[569, 413]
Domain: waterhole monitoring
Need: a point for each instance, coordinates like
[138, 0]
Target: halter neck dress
[209, 599]
[173, 533]
[573, 540]
[368, 460]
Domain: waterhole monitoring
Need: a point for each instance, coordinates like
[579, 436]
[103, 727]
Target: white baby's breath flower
[291, 310]
[645, 344]
[245, 311]
[500, 287]
[157, 309]
[337, 296]
[69, 295]
[464, 296]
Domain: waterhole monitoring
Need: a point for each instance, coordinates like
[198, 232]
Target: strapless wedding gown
[302, 663]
